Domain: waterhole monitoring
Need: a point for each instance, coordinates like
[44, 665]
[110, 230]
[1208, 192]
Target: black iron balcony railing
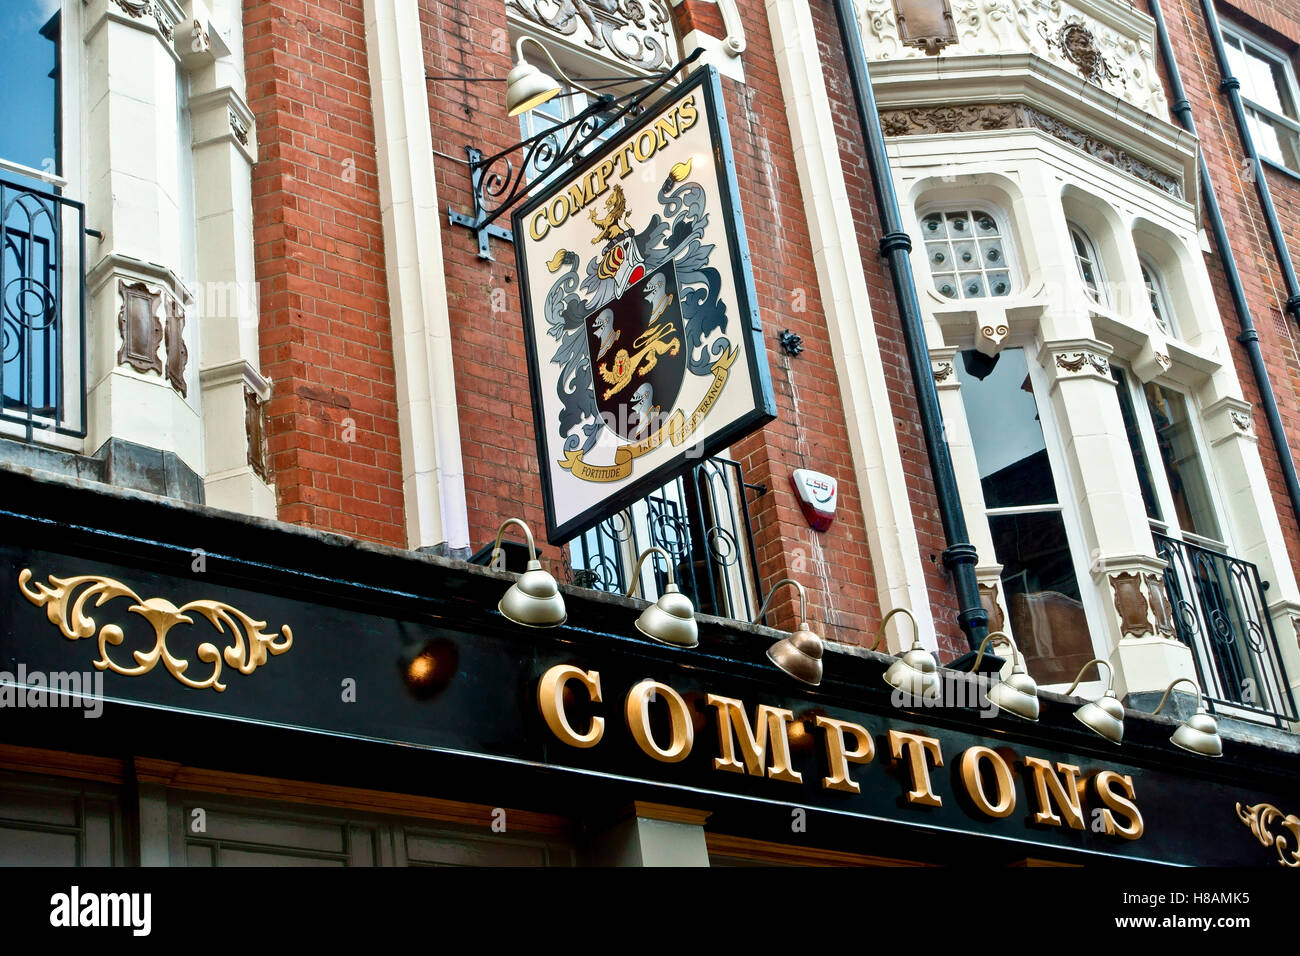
[702, 520]
[1221, 614]
[42, 310]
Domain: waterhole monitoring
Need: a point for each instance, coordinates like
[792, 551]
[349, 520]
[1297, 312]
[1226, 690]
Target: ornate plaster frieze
[1081, 362]
[635, 33]
[984, 117]
[943, 365]
[1108, 44]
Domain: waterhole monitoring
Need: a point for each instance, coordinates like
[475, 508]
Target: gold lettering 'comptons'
[838, 759]
[637, 711]
[550, 699]
[1049, 788]
[973, 779]
[623, 161]
[1107, 782]
[247, 652]
[773, 727]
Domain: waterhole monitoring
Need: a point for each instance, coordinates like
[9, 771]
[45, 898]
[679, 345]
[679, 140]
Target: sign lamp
[800, 654]
[1199, 733]
[671, 619]
[916, 672]
[528, 87]
[1018, 694]
[1105, 715]
[534, 600]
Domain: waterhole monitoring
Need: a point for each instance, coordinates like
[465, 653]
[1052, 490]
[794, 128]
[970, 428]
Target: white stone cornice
[116, 264]
[215, 376]
[1229, 418]
[221, 116]
[1076, 358]
[157, 17]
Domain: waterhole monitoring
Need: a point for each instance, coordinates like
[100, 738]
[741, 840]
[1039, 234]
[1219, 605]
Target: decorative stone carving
[1119, 60]
[238, 127]
[990, 336]
[139, 327]
[989, 599]
[926, 24]
[174, 340]
[1241, 421]
[634, 32]
[1161, 609]
[165, 18]
[1081, 361]
[1131, 603]
[943, 371]
[982, 117]
[255, 427]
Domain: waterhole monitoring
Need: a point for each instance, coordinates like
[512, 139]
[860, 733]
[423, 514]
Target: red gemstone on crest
[637, 273]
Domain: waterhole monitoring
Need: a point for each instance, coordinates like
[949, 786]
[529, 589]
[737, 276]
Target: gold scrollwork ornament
[1260, 817]
[247, 652]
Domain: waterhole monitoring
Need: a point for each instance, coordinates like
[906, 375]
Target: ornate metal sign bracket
[497, 184]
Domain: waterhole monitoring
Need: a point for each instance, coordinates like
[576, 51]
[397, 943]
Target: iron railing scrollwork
[42, 310]
[702, 520]
[1220, 612]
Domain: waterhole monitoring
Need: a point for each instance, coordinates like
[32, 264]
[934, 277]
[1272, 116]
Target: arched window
[969, 253]
[1158, 294]
[1089, 264]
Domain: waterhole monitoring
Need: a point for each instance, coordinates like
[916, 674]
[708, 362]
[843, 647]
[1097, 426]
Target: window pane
[29, 38]
[1004, 426]
[1187, 482]
[1043, 601]
[1135, 445]
[1273, 140]
[967, 254]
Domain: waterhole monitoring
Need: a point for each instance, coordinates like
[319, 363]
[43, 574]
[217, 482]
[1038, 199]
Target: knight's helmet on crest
[622, 262]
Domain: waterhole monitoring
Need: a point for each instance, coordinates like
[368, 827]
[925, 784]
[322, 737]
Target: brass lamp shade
[1200, 735]
[799, 655]
[527, 87]
[534, 600]
[916, 673]
[670, 620]
[1104, 716]
[1017, 695]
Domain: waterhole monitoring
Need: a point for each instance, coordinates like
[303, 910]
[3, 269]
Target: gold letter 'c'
[550, 699]
[637, 710]
[974, 781]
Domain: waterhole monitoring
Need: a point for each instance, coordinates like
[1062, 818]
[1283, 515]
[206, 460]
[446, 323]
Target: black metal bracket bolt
[791, 344]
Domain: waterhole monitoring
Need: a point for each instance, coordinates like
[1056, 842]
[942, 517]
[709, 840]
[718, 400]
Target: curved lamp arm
[519, 57]
[1110, 674]
[1200, 696]
[997, 637]
[636, 572]
[532, 548]
[803, 599]
[880, 632]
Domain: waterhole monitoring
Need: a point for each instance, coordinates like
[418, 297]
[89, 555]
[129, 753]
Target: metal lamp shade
[799, 655]
[1017, 695]
[1200, 735]
[526, 87]
[915, 673]
[670, 620]
[534, 600]
[1104, 716]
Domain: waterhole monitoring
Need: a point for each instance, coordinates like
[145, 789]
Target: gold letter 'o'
[637, 711]
[974, 781]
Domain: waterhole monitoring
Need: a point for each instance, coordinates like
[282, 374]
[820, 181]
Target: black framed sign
[645, 349]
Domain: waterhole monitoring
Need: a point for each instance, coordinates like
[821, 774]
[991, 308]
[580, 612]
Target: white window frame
[1005, 234]
[1154, 280]
[1100, 295]
[1249, 42]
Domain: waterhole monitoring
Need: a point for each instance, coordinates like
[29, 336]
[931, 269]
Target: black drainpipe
[1182, 109]
[960, 556]
[1232, 86]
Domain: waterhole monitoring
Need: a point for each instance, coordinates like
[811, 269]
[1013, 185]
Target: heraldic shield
[638, 353]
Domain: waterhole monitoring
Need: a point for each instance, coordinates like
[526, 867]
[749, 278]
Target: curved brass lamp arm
[636, 572]
[1200, 695]
[1110, 673]
[519, 56]
[994, 638]
[880, 631]
[803, 599]
[532, 548]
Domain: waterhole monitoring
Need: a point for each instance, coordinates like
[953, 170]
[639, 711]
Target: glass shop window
[29, 75]
[1032, 535]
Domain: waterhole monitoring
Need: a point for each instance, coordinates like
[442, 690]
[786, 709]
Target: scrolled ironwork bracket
[545, 152]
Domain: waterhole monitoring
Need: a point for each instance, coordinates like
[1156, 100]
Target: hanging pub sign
[645, 350]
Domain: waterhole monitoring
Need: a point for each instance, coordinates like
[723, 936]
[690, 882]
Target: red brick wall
[318, 245]
[498, 442]
[1277, 21]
